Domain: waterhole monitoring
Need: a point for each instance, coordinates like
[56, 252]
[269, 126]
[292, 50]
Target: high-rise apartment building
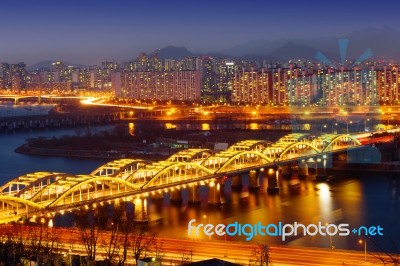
[252, 87]
[348, 87]
[6, 75]
[388, 82]
[162, 85]
[302, 90]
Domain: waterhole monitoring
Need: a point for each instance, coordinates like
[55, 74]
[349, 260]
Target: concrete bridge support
[214, 193]
[254, 182]
[286, 171]
[140, 206]
[321, 169]
[303, 170]
[236, 182]
[273, 175]
[194, 194]
[294, 183]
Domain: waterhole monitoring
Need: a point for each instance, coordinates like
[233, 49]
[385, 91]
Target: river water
[356, 199]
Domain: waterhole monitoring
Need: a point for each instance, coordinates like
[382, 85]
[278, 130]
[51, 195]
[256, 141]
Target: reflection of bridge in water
[46, 193]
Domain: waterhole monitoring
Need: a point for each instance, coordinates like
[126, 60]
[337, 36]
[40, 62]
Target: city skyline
[199, 132]
[70, 31]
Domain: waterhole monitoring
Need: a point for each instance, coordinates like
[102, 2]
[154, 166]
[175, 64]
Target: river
[356, 199]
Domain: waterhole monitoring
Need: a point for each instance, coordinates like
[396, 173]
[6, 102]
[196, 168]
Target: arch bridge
[44, 192]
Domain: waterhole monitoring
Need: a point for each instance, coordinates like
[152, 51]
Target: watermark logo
[343, 44]
[280, 230]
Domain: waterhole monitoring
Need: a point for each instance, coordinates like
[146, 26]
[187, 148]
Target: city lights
[199, 133]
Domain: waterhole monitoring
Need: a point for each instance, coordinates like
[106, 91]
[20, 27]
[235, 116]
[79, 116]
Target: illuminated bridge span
[45, 193]
[16, 97]
[84, 100]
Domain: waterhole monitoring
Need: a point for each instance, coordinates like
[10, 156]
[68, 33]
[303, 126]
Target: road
[237, 252]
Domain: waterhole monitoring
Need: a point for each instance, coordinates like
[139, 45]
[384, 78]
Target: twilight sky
[87, 31]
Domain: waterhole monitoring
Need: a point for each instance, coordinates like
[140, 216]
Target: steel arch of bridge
[119, 166]
[64, 184]
[10, 200]
[176, 167]
[73, 186]
[94, 180]
[243, 154]
[246, 145]
[336, 139]
[293, 146]
[189, 155]
[27, 178]
[29, 181]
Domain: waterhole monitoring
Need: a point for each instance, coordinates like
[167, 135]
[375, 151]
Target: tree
[141, 240]
[185, 258]
[125, 237]
[51, 241]
[36, 241]
[11, 245]
[112, 244]
[36, 238]
[134, 235]
[260, 256]
[87, 223]
[390, 259]
[158, 250]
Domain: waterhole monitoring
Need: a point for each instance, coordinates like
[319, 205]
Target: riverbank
[27, 150]
[342, 168]
[147, 143]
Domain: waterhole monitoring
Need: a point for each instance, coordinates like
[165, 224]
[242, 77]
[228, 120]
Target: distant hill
[383, 41]
[285, 52]
[256, 47]
[48, 64]
[173, 52]
[293, 50]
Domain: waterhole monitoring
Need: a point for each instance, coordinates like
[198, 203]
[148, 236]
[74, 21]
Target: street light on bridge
[323, 127]
[365, 124]
[365, 248]
[347, 125]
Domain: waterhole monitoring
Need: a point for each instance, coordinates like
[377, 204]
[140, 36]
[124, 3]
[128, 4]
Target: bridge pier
[236, 182]
[214, 193]
[159, 195]
[286, 171]
[303, 169]
[273, 176]
[320, 170]
[194, 194]
[175, 196]
[294, 183]
[254, 182]
[140, 207]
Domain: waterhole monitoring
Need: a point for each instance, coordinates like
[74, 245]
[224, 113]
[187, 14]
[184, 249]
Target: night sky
[90, 31]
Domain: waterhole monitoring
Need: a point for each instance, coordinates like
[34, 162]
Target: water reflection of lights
[205, 126]
[131, 129]
[169, 126]
[306, 127]
[325, 200]
[324, 191]
[254, 126]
